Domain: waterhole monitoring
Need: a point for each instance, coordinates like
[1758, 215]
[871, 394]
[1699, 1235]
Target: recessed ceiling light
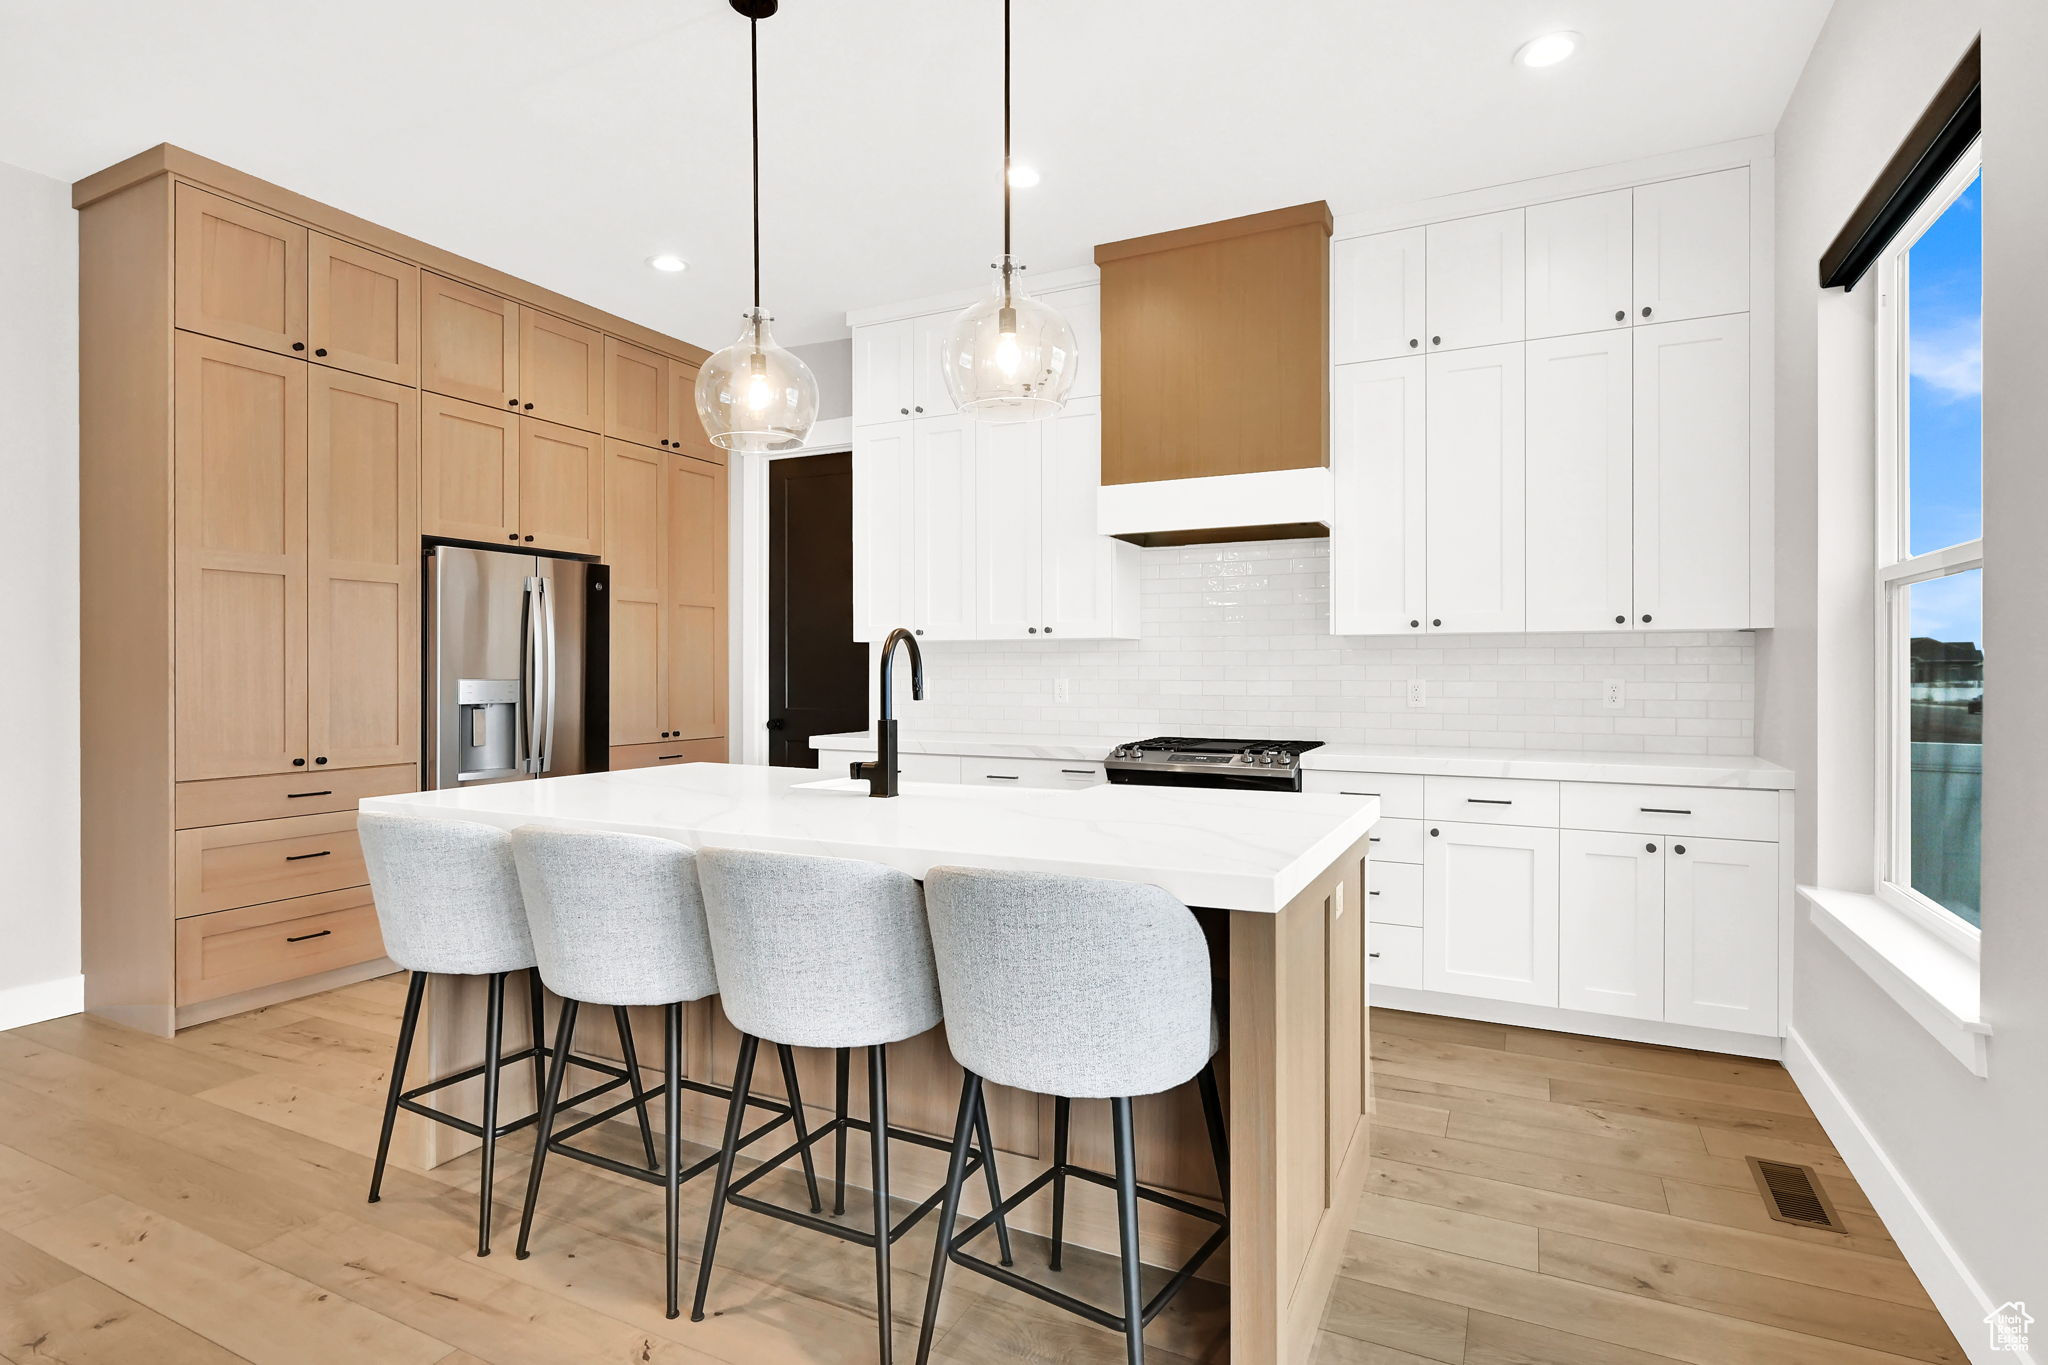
[668, 263]
[1548, 50]
[1022, 176]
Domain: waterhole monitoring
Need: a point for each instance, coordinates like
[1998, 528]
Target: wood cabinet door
[942, 528]
[685, 427]
[1579, 501]
[1721, 934]
[1610, 938]
[636, 547]
[1579, 266]
[1692, 247]
[697, 598]
[241, 273]
[884, 359]
[363, 572]
[469, 471]
[1008, 566]
[1090, 579]
[1378, 471]
[1489, 911]
[1376, 296]
[363, 310]
[561, 488]
[635, 394]
[1473, 281]
[469, 343]
[1474, 508]
[1692, 475]
[240, 457]
[561, 371]
[883, 559]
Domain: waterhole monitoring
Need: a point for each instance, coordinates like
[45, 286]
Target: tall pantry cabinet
[277, 402]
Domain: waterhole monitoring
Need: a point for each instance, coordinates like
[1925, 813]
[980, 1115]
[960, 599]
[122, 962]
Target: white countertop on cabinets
[1227, 849]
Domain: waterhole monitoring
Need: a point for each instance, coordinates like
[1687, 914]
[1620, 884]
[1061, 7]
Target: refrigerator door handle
[530, 677]
[550, 679]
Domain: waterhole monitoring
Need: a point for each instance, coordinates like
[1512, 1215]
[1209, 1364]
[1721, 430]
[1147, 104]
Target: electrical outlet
[1062, 690]
[1418, 692]
[1613, 693]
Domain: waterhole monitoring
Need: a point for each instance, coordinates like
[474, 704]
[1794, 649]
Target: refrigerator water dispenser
[487, 727]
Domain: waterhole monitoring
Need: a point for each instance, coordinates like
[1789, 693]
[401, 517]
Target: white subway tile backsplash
[1235, 640]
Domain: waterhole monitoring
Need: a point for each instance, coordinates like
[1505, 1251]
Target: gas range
[1246, 764]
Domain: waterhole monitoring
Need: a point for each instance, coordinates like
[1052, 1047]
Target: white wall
[831, 363]
[39, 660]
[1961, 1160]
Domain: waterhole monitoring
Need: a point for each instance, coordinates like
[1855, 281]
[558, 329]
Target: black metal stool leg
[672, 1141]
[840, 1066]
[537, 1021]
[988, 1169]
[1127, 1231]
[494, 1042]
[803, 1132]
[1219, 1140]
[949, 1211]
[742, 1080]
[565, 1030]
[415, 992]
[878, 1121]
[1062, 1116]
[625, 1027]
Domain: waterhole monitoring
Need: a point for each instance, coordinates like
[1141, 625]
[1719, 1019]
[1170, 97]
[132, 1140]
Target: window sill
[1930, 978]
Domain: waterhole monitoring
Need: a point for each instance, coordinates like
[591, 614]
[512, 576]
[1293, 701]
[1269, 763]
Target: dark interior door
[817, 671]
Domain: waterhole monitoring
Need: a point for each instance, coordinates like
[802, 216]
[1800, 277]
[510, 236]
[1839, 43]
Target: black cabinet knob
[918, 409]
[1649, 848]
[527, 406]
[1621, 620]
[513, 538]
[298, 345]
[320, 351]
[664, 440]
[919, 631]
[1678, 848]
[1620, 313]
[1646, 618]
[1436, 341]
[1048, 630]
[511, 402]
[1646, 312]
[1415, 625]
[322, 760]
[1436, 620]
[1413, 342]
[528, 538]
[1433, 833]
[1032, 629]
[298, 763]
[904, 411]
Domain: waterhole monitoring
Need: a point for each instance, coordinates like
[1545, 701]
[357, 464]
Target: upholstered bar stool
[618, 920]
[448, 903]
[825, 953]
[1076, 988]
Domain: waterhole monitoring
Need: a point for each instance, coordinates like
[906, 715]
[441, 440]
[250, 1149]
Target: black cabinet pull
[1646, 312]
[527, 406]
[1662, 810]
[1620, 313]
[1372, 838]
[1372, 893]
[298, 345]
[301, 857]
[665, 758]
[1341, 793]
[1488, 801]
[1649, 848]
[1621, 620]
[1678, 848]
[298, 763]
[301, 938]
[1436, 341]
[511, 402]
[320, 761]
[528, 538]
[1079, 772]
[1372, 954]
[919, 409]
[1412, 344]
[1646, 618]
[1032, 629]
[919, 630]
[1048, 630]
[1433, 833]
[294, 796]
[1000, 777]
[320, 351]
[904, 411]
[1436, 620]
[514, 537]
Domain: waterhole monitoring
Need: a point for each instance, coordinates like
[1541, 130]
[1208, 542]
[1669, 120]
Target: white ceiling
[566, 142]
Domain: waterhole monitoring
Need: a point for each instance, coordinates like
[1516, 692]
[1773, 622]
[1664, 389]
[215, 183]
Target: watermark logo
[2008, 1324]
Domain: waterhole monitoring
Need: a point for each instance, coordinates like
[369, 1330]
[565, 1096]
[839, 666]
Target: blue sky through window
[1945, 361]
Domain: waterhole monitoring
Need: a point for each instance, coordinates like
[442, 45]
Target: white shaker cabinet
[1473, 281]
[1378, 472]
[1611, 924]
[1474, 515]
[942, 528]
[1692, 473]
[1089, 581]
[1007, 495]
[1580, 273]
[883, 554]
[1692, 247]
[1376, 296]
[1490, 911]
[1721, 934]
[928, 337]
[1579, 475]
[884, 364]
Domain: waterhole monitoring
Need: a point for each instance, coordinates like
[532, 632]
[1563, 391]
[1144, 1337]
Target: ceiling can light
[754, 395]
[668, 263]
[1009, 357]
[1548, 50]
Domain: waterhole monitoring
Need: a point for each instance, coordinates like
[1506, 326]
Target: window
[1930, 557]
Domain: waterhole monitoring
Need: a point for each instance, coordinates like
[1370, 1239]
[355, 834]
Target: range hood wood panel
[1215, 348]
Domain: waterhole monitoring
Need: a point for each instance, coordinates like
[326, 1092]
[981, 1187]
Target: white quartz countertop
[1228, 849]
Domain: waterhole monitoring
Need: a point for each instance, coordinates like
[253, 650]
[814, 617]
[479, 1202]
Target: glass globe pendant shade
[1010, 357]
[756, 396]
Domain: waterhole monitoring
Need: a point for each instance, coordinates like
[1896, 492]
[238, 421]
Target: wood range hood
[1216, 381]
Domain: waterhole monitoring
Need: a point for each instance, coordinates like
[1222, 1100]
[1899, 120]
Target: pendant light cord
[1006, 136]
[754, 86]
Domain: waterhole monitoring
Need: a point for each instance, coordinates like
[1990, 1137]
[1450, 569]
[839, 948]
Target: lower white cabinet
[1489, 913]
[1610, 942]
[1721, 934]
[1393, 955]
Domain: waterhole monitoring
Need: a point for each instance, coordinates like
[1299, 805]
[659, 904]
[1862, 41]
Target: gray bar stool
[448, 903]
[1081, 989]
[618, 920]
[825, 953]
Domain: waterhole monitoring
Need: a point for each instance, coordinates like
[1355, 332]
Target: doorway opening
[817, 671]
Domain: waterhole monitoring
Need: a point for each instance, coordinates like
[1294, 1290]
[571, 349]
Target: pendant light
[1010, 357]
[754, 395]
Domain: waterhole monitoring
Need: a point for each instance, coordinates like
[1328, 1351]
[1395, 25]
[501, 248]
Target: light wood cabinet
[469, 471]
[1692, 475]
[561, 371]
[665, 530]
[1475, 483]
[1473, 281]
[469, 342]
[1376, 297]
[231, 951]
[696, 594]
[636, 547]
[1580, 264]
[685, 428]
[1610, 949]
[1490, 912]
[1692, 247]
[240, 273]
[222, 867]
[561, 488]
[362, 310]
[1580, 509]
[636, 387]
[1379, 477]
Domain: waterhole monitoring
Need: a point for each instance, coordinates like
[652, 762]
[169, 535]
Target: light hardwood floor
[1536, 1199]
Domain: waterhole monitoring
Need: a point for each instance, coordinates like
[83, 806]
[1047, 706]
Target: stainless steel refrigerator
[516, 671]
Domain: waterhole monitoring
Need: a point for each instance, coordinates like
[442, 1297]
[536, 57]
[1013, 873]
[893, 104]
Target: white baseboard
[1961, 1300]
[40, 1000]
[1654, 1031]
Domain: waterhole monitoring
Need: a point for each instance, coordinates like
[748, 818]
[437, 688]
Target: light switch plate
[1418, 692]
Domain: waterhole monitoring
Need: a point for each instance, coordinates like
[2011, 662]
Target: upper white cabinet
[1089, 581]
[929, 396]
[1474, 489]
[883, 560]
[1473, 281]
[1377, 532]
[1579, 479]
[1580, 266]
[1692, 471]
[1490, 905]
[943, 553]
[884, 360]
[1376, 296]
[1008, 569]
[1692, 247]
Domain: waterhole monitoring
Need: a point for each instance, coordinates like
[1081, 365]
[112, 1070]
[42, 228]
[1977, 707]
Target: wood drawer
[232, 951]
[223, 867]
[1393, 956]
[667, 753]
[1490, 800]
[1397, 841]
[232, 800]
[1394, 892]
[1703, 812]
[1400, 794]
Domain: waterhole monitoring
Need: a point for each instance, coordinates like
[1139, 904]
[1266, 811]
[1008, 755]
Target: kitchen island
[1280, 887]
